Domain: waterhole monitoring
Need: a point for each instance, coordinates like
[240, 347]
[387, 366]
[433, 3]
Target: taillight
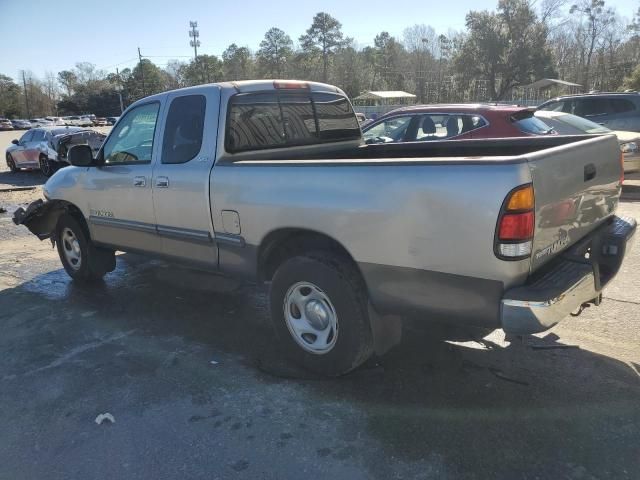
[516, 222]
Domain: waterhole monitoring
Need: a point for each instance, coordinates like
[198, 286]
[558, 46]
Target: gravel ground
[186, 364]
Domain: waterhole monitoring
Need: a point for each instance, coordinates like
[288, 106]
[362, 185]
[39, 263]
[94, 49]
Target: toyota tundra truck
[270, 181]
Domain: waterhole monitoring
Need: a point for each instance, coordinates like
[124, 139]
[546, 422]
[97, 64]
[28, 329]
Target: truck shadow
[23, 178]
[554, 409]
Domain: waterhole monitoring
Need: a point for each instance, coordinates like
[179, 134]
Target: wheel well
[76, 213]
[282, 244]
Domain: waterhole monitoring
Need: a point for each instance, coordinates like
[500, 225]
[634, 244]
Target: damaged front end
[41, 217]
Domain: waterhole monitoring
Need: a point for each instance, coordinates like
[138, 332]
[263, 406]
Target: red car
[454, 122]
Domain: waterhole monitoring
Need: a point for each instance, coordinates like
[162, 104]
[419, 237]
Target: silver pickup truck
[270, 181]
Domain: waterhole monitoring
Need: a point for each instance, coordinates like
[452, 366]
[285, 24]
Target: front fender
[41, 217]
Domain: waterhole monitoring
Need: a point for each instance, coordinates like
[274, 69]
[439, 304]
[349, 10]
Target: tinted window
[582, 124]
[620, 105]
[279, 119]
[254, 122]
[132, 139]
[184, 128]
[336, 120]
[298, 118]
[588, 107]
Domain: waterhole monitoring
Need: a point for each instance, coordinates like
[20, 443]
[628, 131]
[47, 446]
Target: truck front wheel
[81, 259]
[319, 312]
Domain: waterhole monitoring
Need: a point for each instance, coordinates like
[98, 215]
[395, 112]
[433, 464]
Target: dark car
[617, 111]
[454, 122]
[21, 124]
[112, 120]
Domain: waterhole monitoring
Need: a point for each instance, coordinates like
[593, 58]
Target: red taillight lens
[290, 84]
[516, 226]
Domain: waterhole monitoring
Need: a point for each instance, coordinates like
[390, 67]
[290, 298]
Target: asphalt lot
[187, 365]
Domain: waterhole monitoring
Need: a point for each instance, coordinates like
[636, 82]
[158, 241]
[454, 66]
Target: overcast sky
[53, 35]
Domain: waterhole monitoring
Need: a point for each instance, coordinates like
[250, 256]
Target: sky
[43, 36]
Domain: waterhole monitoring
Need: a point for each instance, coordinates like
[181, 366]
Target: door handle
[589, 172]
[139, 182]
[162, 182]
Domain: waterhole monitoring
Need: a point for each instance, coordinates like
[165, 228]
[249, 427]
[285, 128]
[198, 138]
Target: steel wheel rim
[311, 318]
[44, 165]
[71, 248]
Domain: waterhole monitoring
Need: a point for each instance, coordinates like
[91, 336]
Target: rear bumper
[570, 282]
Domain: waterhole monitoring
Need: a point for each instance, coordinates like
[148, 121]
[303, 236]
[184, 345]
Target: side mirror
[80, 156]
[15, 142]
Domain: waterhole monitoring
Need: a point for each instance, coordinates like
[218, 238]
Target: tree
[207, 69]
[324, 37]
[421, 44]
[10, 97]
[68, 80]
[275, 52]
[505, 48]
[596, 19]
[145, 79]
[237, 63]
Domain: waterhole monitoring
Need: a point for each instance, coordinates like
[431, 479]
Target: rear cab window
[277, 119]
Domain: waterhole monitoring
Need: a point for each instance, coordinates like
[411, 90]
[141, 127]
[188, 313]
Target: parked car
[5, 124]
[617, 111]
[40, 122]
[270, 181]
[100, 122]
[568, 124]
[43, 147]
[453, 122]
[85, 121]
[21, 124]
[112, 120]
[73, 121]
[55, 121]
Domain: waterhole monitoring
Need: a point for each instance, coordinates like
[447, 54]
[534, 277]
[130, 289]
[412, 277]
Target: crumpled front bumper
[40, 217]
[571, 281]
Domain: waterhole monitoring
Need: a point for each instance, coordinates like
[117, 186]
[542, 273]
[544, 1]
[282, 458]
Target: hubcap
[311, 318]
[71, 248]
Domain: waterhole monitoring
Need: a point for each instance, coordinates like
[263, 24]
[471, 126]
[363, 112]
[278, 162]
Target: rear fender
[41, 217]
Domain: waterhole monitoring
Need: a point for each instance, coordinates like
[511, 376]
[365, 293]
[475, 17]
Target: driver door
[119, 191]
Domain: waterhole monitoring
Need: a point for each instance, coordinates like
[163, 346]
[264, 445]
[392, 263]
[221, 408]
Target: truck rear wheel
[81, 259]
[319, 312]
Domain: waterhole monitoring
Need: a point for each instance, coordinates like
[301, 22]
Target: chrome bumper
[570, 282]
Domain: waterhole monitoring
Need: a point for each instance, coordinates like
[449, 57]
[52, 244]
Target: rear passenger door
[181, 177]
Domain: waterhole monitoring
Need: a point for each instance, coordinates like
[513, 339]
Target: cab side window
[132, 139]
[184, 129]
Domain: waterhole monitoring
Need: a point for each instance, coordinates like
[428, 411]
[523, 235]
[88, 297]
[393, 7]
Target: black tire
[94, 262]
[341, 283]
[11, 164]
[47, 167]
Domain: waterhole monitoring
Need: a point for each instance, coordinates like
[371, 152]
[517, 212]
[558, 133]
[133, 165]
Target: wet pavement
[187, 365]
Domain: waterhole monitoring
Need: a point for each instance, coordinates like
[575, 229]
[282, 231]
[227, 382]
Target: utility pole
[194, 34]
[26, 96]
[144, 88]
[119, 90]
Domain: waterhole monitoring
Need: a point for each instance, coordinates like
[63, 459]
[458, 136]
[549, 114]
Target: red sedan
[454, 122]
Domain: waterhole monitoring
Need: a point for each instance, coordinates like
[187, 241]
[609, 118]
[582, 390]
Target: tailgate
[577, 187]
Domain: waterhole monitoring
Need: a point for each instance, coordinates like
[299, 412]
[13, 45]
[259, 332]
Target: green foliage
[507, 48]
[275, 53]
[324, 37]
[10, 98]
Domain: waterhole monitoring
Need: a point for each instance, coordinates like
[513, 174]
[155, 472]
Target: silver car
[567, 124]
[37, 149]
